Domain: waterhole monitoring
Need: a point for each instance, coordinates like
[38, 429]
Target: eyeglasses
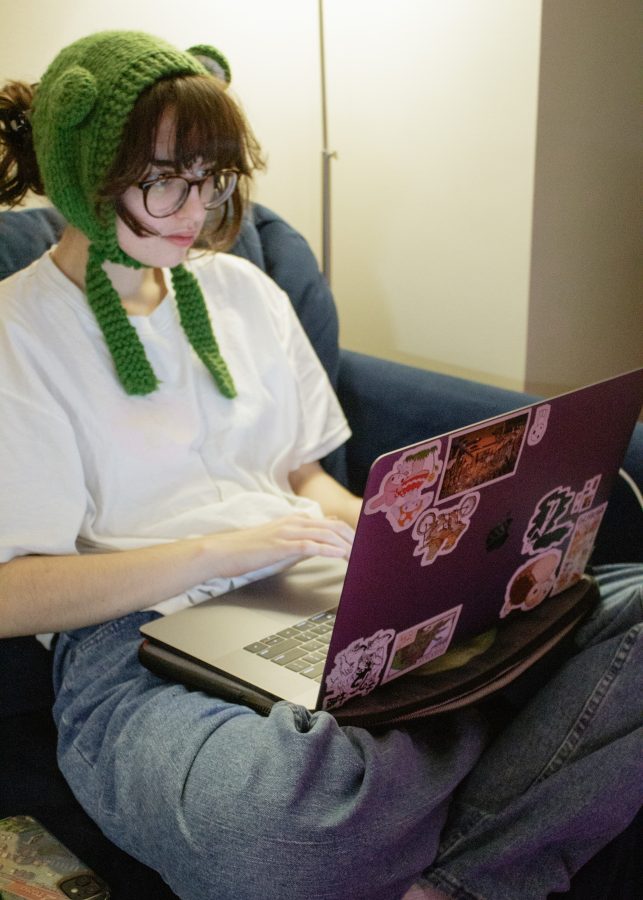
[164, 195]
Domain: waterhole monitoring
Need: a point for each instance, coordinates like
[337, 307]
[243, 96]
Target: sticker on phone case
[357, 668]
[439, 531]
[580, 547]
[539, 426]
[483, 455]
[532, 583]
[35, 865]
[403, 493]
[422, 643]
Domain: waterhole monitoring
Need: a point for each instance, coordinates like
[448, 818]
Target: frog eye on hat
[74, 95]
[213, 60]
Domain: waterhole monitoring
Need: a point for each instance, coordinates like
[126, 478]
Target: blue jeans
[227, 804]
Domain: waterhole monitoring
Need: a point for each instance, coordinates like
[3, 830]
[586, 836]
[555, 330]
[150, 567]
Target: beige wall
[586, 299]
[433, 116]
[483, 195]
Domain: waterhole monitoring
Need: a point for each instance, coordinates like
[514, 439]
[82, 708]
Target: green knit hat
[79, 114]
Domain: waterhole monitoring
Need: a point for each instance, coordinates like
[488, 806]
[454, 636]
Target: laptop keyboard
[301, 648]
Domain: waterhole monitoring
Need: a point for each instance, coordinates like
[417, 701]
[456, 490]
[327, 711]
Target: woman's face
[171, 237]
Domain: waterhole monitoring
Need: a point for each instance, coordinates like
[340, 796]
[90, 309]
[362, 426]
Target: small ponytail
[19, 171]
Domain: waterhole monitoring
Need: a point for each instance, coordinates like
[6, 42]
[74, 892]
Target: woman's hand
[54, 593]
[288, 540]
[311, 481]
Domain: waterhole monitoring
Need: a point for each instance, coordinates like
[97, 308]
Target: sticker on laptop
[585, 498]
[483, 455]
[539, 427]
[438, 531]
[580, 547]
[559, 515]
[532, 583]
[551, 522]
[404, 491]
[422, 643]
[357, 668]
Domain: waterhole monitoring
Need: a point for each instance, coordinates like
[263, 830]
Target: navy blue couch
[388, 405]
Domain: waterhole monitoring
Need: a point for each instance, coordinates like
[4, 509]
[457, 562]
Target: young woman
[163, 417]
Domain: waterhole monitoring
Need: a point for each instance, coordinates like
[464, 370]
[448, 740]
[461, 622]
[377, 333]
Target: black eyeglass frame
[225, 195]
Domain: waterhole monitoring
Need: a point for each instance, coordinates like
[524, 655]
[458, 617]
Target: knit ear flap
[213, 60]
[132, 366]
[196, 324]
[73, 96]
[128, 354]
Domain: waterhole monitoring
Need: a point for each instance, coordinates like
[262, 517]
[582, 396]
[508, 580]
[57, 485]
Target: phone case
[34, 865]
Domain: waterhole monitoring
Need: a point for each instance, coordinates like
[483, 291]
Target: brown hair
[19, 171]
[208, 125]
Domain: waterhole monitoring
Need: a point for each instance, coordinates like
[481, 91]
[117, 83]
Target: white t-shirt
[86, 468]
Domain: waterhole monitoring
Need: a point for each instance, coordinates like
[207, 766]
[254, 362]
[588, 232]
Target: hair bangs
[209, 127]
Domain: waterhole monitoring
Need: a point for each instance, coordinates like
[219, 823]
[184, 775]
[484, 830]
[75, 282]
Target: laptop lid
[457, 534]
[467, 530]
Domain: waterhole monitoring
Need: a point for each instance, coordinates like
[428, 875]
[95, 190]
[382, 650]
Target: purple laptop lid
[460, 532]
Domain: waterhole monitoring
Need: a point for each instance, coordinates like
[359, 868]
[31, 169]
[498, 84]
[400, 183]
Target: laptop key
[283, 658]
[301, 647]
[309, 646]
[273, 650]
[290, 633]
[272, 639]
[308, 636]
[297, 665]
[313, 671]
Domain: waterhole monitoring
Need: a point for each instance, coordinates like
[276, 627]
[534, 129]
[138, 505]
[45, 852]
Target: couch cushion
[25, 235]
[290, 262]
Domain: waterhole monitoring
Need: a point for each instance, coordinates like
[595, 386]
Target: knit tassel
[196, 324]
[132, 366]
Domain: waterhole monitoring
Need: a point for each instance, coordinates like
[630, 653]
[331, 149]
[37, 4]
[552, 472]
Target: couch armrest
[389, 405]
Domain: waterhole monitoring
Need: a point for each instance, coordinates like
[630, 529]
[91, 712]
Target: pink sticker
[539, 427]
[531, 583]
[403, 493]
[551, 522]
[580, 547]
[585, 498]
[357, 668]
[439, 531]
[482, 455]
[422, 643]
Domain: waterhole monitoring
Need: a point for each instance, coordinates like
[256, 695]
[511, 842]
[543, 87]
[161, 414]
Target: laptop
[467, 566]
